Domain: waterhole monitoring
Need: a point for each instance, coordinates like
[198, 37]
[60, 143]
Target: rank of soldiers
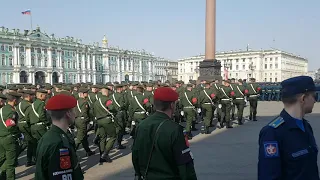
[112, 110]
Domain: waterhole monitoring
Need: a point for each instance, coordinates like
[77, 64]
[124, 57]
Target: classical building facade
[166, 70]
[263, 65]
[36, 57]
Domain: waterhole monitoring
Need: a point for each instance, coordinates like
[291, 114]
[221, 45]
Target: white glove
[133, 123]
[91, 122]
[220, 106]
[182, 113]
[199, 110]
[22, 136]
[231, 103]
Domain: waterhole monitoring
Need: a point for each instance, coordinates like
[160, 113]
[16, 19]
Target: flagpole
[31, 20]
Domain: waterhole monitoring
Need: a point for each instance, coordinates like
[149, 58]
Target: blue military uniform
[287, 147]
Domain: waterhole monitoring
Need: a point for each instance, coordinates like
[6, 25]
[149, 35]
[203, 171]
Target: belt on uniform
[22, 121]
[239, 98]
[253, 95]
[81, 117]
[189, 107]
[206, 103]
[142, 112]
[40, 123]
[108, 117]
[225, 99]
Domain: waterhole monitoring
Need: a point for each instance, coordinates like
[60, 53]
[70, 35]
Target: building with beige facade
[263, 65]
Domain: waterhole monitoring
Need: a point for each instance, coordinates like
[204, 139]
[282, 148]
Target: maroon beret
[165, 94]
[61, 102]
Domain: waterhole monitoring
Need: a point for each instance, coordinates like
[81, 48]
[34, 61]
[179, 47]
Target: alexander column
[210, 68]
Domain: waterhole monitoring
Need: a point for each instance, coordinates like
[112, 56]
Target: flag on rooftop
[27, 12]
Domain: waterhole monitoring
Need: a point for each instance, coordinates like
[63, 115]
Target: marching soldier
[38, 116]
[82, 120]
[206, 100]
[148, 93]
[23, 109]
[120, 107]
[138, 108]
[233, 107]
[105, 121]
[216, 86]
[56, 154]
[3, 99]
[165, 154]
[254, 91]
[227, 95]
[188, 100]
[92, 98]
[240, 92]
[9, 134]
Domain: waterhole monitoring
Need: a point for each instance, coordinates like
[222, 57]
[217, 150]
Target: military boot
[105, 158]
[90, 153]
[240, 121]
[29, 163]
[207, 130]
[203, 130]
[96, 140]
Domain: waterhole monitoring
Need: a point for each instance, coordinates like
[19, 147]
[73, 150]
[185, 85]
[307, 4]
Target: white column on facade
[140, 70]
[77, 61]
[15, 56]
[132, 68]
[33, 78]
[61, 74]
[118, 69]
[83, 60]
[17, 53]
[88, 61]
[94, 78]
[59, 55]
[123, 65]
[94, 62]
[49, 52]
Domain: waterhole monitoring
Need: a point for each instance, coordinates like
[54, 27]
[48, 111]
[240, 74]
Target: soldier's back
[162, 164]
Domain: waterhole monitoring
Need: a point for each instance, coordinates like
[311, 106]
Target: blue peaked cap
[297, 85]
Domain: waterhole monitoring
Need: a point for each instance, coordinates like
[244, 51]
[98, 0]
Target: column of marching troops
[113, 110]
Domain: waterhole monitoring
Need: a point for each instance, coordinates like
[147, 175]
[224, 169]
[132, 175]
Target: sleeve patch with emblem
[64, 152]
[145, 101]
[271, 149]
[212, 95]
[10, 122]
[65, 162]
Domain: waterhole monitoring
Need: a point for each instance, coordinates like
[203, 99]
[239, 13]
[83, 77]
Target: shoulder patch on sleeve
[271, 149]
[276, 122]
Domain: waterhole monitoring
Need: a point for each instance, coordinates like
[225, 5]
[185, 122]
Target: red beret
[165, 94]
[61, 102]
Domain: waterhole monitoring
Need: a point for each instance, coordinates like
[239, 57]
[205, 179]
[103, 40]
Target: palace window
[74, 64]
[45, 51]
[237, 67]
[85, 64]
[74, 78]
[32, 60]
[265, 66]
[22, 61]
[10, 60]
[243, 59]
[2, 47]
[53, 51]
[275, 79]
[39, 62]
[270, 66]
[21, 49]
[69, 64]
[45, 62]
[62, 53]
[3, 60]
[243, 67]
[10, 48]
[80, 64]
[39, 50]
[276, 66]
[54, 63]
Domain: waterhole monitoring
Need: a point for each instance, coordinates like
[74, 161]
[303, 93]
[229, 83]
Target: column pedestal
[210, 70]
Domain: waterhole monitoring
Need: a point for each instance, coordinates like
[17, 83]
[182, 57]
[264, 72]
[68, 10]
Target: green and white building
[36, 57]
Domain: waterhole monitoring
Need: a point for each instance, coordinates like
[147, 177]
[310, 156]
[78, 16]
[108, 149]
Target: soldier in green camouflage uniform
[226, 101]
[148, 93]
[138, 108]
[9, 135]
[82, 120]
[188, 100]
[254, 91]
[206, 98]
[23, 109]
[240, 93]
[216, 86]
[37, 116]
[105, 120]
[92, 98]
[233, 85]
[119, 108]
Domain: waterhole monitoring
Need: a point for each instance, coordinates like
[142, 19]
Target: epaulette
[276, 122]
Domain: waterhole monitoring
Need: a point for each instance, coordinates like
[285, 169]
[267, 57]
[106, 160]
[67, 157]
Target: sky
[175, 29]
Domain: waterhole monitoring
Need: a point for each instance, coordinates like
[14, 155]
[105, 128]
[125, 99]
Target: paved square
[224, 154]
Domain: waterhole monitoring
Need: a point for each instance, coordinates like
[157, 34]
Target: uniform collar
[290, 121]
[57, 129]
[162, 115]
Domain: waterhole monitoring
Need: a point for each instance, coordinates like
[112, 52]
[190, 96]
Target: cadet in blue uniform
[287, 148]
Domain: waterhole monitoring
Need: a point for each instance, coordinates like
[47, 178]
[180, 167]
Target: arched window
[69, 64]
[10, 48]
[21, 49]
[2, 47]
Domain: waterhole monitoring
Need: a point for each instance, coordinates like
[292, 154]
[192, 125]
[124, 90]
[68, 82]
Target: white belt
[140, 112]
[253, 95]
[40, 123]
[188, 107]
[226, 99]
[239, 98]
[22, 121]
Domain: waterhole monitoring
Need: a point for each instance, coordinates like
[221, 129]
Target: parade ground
[225, 154]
